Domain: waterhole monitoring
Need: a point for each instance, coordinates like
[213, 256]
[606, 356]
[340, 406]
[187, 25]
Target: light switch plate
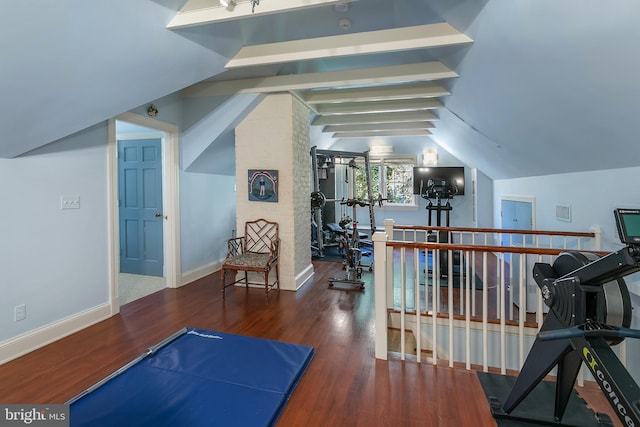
[20, 312]
[70, 202]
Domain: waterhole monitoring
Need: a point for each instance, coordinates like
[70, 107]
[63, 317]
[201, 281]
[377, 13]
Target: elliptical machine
[441, 191]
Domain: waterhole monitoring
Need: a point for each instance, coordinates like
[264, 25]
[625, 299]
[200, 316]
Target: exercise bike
[350, 244]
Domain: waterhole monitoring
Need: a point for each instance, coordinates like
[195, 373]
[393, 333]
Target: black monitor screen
[628, 223]
[447, 180]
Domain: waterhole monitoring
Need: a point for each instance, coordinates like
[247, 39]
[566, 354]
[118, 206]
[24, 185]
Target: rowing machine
[590, 311]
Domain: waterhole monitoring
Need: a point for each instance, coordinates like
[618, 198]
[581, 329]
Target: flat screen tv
[439, 181]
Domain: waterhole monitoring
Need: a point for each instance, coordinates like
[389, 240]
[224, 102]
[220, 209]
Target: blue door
[517, 216]
[140, 206]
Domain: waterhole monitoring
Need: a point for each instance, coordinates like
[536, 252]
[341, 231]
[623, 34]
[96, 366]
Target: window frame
[382, 161]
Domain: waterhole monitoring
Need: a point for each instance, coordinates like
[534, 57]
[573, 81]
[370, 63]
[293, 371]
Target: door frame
[171, 208]
[525, 199]
[530, 289]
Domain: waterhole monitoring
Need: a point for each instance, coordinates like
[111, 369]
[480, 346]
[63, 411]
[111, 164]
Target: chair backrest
[259, 235]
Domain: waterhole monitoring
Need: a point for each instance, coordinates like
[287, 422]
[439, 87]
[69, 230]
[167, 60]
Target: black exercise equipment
[590, 311]
[318, 199]
[353, 252]
[441, 191]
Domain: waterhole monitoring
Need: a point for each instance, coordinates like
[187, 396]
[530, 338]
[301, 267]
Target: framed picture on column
[263, 185]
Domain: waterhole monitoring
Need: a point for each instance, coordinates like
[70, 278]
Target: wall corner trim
[304, 276]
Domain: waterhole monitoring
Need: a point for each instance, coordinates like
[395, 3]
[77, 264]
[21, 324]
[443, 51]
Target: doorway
[140, 217]
[517, 214]
[144, 214]
[140, 205]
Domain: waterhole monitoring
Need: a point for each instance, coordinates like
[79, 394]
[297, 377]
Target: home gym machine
[348, 235]
[590, 311]
[321, 236]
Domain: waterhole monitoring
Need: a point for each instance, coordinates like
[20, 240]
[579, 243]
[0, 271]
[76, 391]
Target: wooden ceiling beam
[378, 127]
[368, 42]
[202, 12]
[375, 93]
[378, 106]
[392, 117]
[423, 71]
[374, 134]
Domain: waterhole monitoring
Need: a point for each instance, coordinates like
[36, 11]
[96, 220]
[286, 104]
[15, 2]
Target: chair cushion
[249, 259]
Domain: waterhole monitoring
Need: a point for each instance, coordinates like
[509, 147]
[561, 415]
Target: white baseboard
[300, 280]
[200, 272]
[37, 338]
[115, 305]
[305, 275]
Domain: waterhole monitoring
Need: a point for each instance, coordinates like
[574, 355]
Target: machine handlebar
[362, 202]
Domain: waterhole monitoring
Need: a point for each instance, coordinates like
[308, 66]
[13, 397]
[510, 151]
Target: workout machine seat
[256, 251]
[334, 228]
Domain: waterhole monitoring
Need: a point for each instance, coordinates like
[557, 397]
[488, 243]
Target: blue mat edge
[301, 373]
[155, 348]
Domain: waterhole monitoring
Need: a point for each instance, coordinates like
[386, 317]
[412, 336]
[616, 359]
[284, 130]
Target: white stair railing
[441, 306]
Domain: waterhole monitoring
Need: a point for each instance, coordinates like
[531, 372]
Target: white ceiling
[514, 88]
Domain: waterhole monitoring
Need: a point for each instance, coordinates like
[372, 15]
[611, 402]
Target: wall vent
[563, 212]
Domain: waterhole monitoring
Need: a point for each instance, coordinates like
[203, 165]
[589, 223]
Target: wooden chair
[256, 251]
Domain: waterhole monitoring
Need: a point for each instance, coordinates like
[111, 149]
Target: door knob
[158, 215]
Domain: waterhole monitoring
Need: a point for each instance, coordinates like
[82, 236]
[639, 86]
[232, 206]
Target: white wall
[207, 218]
[484, 201]
[54, 261]
[592, 196]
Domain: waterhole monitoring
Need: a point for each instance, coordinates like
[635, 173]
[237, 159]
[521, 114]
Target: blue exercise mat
[197, 378]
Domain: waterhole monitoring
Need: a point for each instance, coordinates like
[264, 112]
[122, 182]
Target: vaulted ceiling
[389, 100]
[514, 88]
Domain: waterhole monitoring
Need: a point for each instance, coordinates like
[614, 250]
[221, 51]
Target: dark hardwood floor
[343, 386]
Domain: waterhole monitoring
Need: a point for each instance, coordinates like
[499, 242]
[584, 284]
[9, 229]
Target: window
[391, 177]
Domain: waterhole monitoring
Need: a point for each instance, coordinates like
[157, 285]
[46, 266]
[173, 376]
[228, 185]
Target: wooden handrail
[495, 230]
[501, 311]
[480, 248]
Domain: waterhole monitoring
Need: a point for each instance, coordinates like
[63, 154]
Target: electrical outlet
[20, 312]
